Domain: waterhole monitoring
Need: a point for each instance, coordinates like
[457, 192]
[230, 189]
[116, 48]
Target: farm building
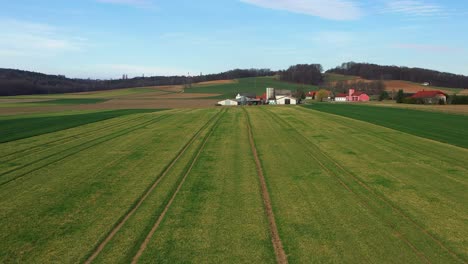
[283, 92]
[352, 96]
[240, 96]
[341, 97]
[311, 95]
[430, 97]
[228, 102]
[358, 96]
[285, 100]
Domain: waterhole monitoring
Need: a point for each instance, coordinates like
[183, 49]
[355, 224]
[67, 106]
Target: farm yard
[243, 184]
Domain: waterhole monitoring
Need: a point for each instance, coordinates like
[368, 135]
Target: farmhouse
[352, 96]
[430, 97]
[228, 102]
[311, 95]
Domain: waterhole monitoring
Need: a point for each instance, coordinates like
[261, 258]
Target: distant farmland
[254, 184]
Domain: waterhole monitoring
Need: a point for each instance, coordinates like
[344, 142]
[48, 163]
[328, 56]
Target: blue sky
[108, 38]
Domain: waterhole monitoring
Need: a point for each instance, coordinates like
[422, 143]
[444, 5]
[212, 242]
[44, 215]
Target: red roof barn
[430, 97]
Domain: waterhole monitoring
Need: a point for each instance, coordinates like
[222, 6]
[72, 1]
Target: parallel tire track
[121, 222]
[72, 137]
[281, 256]
[375, 194]
[145, 243]
[98, 141]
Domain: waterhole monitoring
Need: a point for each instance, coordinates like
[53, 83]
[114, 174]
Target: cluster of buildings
[272, 96]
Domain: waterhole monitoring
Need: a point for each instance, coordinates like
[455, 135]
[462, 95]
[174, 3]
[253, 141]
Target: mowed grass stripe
[218, 215]
[59, 156]
[319, 220]
[145, 243]
[330, 163]
[140, 201]
[48, 145]
[124, 245]
[447, 128]
[14, 129]
[433, 158]
[75, 206]
[275, 238]
[325, 161]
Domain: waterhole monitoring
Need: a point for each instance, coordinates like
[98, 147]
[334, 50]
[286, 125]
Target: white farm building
[285, 100]
[228, 102]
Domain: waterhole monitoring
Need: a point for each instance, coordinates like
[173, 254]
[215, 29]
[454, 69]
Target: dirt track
[281, 256]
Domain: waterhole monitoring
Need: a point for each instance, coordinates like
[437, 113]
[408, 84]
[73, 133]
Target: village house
[352, 96]
[430, 97]
[311, 95]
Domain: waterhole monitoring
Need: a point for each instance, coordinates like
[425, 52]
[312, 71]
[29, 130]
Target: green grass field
[253, 85]
[448, 128]
[14, 129]
[182, 185]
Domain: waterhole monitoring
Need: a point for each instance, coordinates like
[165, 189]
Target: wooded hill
[418, 75]
[17, 82]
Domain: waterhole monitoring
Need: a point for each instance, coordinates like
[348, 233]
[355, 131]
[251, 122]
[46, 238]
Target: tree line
[418, 75]
[17, 82]
[303, 73]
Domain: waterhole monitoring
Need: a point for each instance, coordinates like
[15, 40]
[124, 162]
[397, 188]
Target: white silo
[270, 93]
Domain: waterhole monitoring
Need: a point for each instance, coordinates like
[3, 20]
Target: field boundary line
[405, 147]
[110, 136]
[120, 223]
[73, 138]
[375, 194]
[145, 243]
[281, 256]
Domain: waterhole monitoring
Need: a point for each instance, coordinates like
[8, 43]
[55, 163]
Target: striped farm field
[230, 185]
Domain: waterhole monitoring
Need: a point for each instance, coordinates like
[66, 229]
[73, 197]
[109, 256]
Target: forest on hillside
[418, 75]
[17, 82]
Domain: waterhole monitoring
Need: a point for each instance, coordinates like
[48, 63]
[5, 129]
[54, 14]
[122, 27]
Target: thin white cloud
[22, 38]
[328, 9]
[414, 8]
[134, 3]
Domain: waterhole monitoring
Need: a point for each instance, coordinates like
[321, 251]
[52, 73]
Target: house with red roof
[430, 97]
[352, 96]
[311, 95]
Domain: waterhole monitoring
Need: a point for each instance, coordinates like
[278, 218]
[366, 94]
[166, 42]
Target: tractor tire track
[281, 256]
[409, 146]
[64, 139]
[99, 140]
[145, 243]
[388, 203]
[121, 222]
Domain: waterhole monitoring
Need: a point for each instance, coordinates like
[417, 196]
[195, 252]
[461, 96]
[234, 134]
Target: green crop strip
[14, 129]
[446, 128]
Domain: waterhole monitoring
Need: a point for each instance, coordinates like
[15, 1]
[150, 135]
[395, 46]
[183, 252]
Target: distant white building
[341, 97]
[228, 102]
[285, 100]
